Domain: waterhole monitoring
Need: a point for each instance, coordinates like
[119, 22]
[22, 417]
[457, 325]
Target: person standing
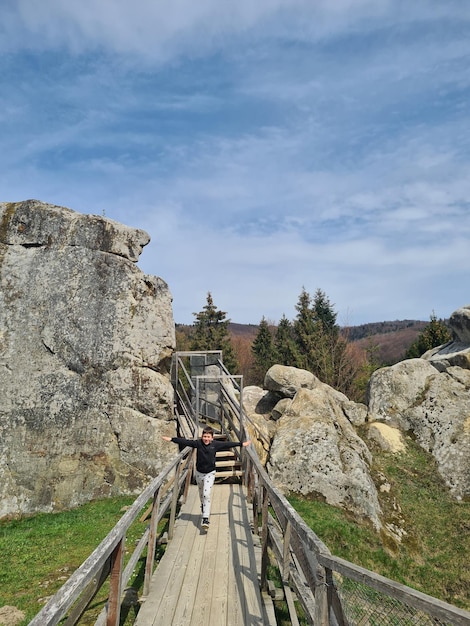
[206, 449]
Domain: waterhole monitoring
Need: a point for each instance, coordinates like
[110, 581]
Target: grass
[39, 553]
[433, 555]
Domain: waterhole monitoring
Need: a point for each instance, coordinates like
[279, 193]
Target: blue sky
[265, 146]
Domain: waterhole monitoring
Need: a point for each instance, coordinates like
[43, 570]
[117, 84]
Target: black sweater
[205, 456]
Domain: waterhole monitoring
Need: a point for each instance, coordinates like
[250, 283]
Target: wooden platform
[209, 578]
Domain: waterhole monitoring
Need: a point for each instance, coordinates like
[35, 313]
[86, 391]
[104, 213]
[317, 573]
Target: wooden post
[152, 542]
[334, 601]
[174, 501]
[321, 599]
[286, 552]
[114, 601]
[264, 539]
[190, 467]
[254, 499]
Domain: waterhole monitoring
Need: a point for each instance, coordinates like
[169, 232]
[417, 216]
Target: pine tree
[324, 312]
[263, 351]
[284, 343]
[434, 334]
[305, 331]
[321, 348]
[331, 362]
[211, 333]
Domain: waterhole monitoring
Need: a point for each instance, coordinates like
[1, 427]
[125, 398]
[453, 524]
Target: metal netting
[364, 606]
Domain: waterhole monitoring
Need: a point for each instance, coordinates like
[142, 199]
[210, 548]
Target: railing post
[264, 539]
[152, 542]
[321, 617]
[249, 478]
[197, 410]
[286, 552]
[190, 469]
[114, 601]
[334, 601]
[254, 501]
[174, 501]
[240, 417]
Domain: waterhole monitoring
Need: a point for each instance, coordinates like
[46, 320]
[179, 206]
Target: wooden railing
[106, 562]
[330, 590]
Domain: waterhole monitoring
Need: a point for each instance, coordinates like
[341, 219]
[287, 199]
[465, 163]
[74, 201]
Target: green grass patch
[434, 553]
[40, 553]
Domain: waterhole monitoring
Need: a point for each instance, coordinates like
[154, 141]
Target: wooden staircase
[227, 465]
[227, 462]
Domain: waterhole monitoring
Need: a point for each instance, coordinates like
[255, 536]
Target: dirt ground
[10, 616]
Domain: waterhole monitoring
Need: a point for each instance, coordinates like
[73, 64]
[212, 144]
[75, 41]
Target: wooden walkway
[209, 578]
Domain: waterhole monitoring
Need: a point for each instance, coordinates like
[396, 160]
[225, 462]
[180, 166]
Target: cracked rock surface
[85, 346]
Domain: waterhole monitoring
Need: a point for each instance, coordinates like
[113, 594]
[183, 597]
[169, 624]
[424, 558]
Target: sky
[266, 146]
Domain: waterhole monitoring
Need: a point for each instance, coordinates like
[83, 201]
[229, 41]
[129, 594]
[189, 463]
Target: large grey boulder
[457, 351]
[435, 406]
[85, 348]
[316, 451]
[459, 323]
[286, 381]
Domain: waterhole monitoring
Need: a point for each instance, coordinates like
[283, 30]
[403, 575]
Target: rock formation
[314, 449]
[430, 397]
[85, 347]
[305, 431]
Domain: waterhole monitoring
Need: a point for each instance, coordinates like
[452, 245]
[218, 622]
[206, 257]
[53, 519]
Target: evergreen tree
[284, 343]
[263, 351]
[331, 359]
[305, 332]
[211, 333]
[324, 312]
[434, 334]
[321, 348]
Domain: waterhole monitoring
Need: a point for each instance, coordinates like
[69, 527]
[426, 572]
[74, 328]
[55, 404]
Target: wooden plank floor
[208, 578]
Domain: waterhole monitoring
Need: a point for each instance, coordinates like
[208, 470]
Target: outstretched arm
[246, 443]
[192, 443]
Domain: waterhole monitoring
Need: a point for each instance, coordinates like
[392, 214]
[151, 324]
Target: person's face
[207, 438]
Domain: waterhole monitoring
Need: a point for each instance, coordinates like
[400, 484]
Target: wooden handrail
[300, 554]
[108, 555]
[304, 561]
[288, 533]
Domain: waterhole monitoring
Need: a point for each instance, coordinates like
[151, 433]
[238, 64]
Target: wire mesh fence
[364, 606]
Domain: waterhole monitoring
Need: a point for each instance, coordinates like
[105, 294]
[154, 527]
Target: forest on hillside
[342, 357]
[390, 339]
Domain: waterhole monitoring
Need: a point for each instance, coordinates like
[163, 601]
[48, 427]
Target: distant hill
[388, 340]
[384, 328]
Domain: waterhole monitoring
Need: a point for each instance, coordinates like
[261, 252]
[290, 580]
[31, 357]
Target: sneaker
[205, 522]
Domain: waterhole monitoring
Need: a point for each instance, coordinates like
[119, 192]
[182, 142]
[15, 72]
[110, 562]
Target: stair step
[226, 453]
[229, 474]
[228, 463]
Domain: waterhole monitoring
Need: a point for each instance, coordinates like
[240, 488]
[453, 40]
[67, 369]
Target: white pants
[205, 482]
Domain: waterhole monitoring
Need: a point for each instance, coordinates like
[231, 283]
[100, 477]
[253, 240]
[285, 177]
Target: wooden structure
[330, 591]
[209, 578]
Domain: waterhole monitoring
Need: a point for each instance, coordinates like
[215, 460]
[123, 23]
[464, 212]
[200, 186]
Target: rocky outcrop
[314, 449]
[457, 351]
[310, 441]
[85, 346]
[430, 398]
[435, 406]
[286, 381]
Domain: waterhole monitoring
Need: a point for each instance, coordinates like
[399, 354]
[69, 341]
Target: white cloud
[264, 145]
